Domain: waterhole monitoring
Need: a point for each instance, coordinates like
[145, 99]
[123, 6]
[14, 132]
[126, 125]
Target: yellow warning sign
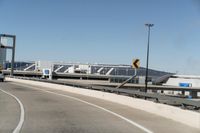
[136, 63]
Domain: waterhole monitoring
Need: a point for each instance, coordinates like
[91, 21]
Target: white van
[2, 78]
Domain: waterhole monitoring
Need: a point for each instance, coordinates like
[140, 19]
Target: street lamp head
[149, 25]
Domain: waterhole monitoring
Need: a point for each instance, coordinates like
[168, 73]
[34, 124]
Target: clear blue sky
[106, 31]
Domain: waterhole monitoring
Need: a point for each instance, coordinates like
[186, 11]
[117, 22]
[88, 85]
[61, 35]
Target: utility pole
[147, 63]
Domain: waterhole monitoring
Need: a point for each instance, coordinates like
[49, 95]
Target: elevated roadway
[65, 75]
[192, 90]
[54, 111]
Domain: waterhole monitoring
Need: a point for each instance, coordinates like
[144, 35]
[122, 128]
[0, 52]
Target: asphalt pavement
[54, 111]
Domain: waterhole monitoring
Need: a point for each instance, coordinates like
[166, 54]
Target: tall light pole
[147, 64]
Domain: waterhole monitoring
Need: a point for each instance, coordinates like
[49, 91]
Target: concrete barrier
[186, 117]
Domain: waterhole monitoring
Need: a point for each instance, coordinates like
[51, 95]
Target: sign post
[135, 65]
[1, 67]
[13, 37]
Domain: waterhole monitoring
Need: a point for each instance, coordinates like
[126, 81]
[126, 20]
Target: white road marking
[94, 105]
[21, 120]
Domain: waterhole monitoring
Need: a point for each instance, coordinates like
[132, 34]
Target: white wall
[40, 65]
[71, 69]
[176, 81]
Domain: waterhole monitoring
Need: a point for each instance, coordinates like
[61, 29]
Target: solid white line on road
[94, 105]
[21, 120]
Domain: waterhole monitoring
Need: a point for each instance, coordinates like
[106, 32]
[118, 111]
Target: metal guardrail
[183, 102]
[158, 97]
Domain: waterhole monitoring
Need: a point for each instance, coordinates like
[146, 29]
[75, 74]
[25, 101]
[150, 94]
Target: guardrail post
[183, 92]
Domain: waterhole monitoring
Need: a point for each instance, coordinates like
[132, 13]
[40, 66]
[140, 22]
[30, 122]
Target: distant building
[113, 72]
[183, 81]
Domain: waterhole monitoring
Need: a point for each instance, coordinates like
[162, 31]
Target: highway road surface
[29, 109]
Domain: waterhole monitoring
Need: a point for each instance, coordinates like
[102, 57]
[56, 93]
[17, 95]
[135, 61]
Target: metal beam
[7, 35]
[12, 48]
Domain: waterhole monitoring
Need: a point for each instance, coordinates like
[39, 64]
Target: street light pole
[147, 63]
[13, 55]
